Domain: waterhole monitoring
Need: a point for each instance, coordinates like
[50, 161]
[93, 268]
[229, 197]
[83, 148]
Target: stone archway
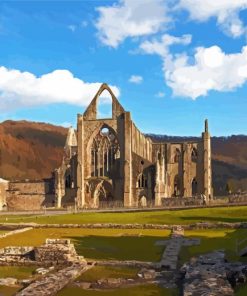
[194, 187]
[143, 202]
[103, 194]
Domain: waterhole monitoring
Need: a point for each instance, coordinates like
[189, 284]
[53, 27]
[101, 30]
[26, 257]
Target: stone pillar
[207, 170]
[186, 171]
[157, 200]
[80, 163]
[128, 198]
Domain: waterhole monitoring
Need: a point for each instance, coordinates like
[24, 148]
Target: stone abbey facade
[111, 161]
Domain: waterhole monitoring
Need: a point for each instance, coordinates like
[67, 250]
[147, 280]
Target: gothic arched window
[194, 155]
[104, 152]
[177, 155]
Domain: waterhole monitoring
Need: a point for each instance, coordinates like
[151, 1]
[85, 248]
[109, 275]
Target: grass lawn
[214, 240]
[102, 272]
[3, 231]
[144, 290]
[223, 214]
[241, 291]
[119, 244]
[18, 272]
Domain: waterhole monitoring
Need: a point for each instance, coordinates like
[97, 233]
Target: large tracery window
[104, 153]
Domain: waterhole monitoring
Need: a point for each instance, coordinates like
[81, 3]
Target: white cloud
[212, 69]
[131, 18]
[162, 47]
[225, 11]
[22, 89]
[137, 79]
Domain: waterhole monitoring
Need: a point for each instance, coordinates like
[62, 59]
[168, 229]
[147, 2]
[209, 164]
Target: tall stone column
[207, 170]
[128, 198]
[80, 165]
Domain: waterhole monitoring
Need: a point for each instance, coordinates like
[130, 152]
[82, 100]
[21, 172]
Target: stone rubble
[53, 282]
[211, 275]
[53, 252]
[8, 281]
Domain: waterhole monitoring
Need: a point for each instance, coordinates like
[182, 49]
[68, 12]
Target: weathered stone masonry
[109, 161]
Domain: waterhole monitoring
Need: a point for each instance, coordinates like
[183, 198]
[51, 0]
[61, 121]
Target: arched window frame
[104, 151]
[194, 155]
[177, 155]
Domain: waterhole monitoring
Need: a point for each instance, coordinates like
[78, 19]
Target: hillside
[31, 150]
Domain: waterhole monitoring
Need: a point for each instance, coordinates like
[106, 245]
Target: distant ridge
[32, 150]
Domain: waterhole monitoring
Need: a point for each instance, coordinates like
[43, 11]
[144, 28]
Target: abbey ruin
[110, 161]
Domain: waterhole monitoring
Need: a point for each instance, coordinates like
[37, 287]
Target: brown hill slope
[30, 149]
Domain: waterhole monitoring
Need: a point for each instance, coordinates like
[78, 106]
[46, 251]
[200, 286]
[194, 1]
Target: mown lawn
[103, 272]
[18, 272]
[144, 290]
[241, 291]
[222, 214]
[215, 239]
[116, 244]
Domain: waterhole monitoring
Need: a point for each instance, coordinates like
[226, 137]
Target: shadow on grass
[213, 219]
[215, 239]
[118, 248]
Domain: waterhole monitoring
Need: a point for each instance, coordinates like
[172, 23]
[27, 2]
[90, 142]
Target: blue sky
[172, 63]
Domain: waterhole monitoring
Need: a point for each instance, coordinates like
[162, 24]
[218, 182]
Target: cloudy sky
[171, 63]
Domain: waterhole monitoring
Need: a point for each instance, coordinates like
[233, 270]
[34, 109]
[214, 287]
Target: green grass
[18, 272]
[102, 272]
[222, 214]
[3, 231]
[144, 290]
[116, 244]
[241, 291]
[214, 239]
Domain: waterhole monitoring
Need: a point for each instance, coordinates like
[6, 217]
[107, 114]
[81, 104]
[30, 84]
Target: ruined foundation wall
[29, 195]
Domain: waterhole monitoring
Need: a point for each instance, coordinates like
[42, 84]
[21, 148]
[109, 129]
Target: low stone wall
[53, 252]
[56, 251]
[203, 225]
[53, 283]
[182, 202]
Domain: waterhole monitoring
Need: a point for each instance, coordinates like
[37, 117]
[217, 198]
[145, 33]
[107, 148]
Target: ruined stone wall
[143, 172]
[30, 195]
[3, 187]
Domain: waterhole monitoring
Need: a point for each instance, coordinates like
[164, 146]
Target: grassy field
[102, 272]
[117, 244]
[241, 291]
[223, 214]
[145, 290]
[18, 272]
[214, 240]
